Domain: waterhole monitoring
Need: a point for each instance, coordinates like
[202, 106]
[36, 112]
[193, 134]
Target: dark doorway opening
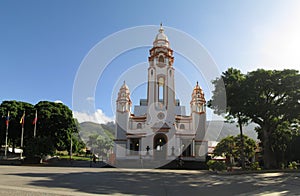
[134, 146]
[160, 146]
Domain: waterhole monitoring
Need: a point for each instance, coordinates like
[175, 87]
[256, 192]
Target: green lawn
[77, 158]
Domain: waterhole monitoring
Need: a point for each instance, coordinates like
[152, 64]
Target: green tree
[249, 147]
[92, 142]
[105, 144]
[231, 82]
[16, 110]
[100, 144]
[39, 146]
[56, 125]
[273, 103]
[77, 143]
[293, 150]
[280, 139]
[230, 147]
[226, 147]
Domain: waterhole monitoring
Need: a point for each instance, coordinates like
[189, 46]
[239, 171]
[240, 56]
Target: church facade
[159, 131]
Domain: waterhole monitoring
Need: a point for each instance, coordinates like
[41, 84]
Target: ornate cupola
[161, 40]
[123, 101]
[198, 100]
[161, 54]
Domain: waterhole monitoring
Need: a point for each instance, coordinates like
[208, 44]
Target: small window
[182, 126]
[139, 126]
[161, 59]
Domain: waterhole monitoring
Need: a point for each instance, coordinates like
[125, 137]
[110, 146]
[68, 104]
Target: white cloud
[97, 117]
[90, 99]
[58, 101]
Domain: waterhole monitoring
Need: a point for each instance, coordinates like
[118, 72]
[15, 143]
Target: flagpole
[35, 120]
[21, 153]
[34, 130]
[22, 134]
[6, 135]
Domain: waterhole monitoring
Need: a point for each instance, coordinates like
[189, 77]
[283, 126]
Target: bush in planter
[216, 165]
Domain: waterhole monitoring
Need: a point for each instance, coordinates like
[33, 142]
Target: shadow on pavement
[158, 183]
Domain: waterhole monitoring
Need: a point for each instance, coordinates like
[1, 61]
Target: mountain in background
[89, 128]
[216, 130]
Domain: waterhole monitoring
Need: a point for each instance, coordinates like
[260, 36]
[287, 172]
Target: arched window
[182, 126]
[161, 59]
[139, 126]
[161, 84]
[199, 108]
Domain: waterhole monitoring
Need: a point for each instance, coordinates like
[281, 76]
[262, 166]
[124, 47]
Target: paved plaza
[22, 180]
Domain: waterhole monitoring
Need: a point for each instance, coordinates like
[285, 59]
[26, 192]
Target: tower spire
[161, 29]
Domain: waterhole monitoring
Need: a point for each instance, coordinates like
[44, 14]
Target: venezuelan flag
[7, 119]
[22, 120]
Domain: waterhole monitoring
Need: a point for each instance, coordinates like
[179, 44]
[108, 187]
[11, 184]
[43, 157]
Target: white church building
[158, 130]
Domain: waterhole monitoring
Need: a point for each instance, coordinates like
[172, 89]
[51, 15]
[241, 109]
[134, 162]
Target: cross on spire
[161, 28]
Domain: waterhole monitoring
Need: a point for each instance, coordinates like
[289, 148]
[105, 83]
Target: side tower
[123, 105]
[161, 87]
[198, 114]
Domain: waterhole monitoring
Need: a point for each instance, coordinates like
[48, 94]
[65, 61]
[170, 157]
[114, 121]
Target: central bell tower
[161, 87]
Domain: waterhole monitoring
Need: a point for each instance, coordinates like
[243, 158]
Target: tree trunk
[13, 147]
[242, 145]
[268, 155]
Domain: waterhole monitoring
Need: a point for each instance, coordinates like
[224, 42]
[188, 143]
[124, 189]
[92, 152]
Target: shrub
[292, 165]
[216, 165]
[255, 166]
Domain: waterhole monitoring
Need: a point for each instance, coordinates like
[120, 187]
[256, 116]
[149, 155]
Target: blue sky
[43, 43]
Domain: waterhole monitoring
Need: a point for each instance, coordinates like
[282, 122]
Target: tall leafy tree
[16, 110]
[55, 127]
[56, 123]
[231, 82]
[273, 102]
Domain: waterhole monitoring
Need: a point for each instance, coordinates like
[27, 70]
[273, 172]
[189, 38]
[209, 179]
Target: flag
[7, 119]
[35, 118]
[22, 120]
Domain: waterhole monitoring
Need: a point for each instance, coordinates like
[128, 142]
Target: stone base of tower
[182, 163]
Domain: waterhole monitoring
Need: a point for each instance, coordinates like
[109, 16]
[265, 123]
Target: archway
[160, 146]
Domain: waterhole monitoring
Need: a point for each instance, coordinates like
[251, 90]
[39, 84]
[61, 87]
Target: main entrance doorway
[160, 146]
